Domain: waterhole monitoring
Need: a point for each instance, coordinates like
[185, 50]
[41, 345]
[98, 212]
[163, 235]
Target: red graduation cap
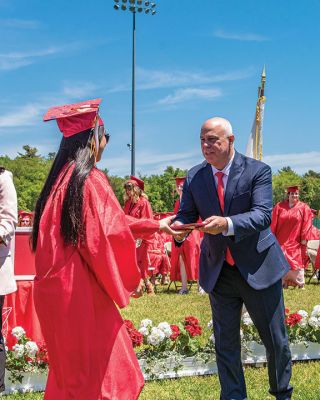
[136, 181]
[292, 189]
[180, 180]
[75, 118]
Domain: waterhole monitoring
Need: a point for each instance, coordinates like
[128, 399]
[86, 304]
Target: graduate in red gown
[137, 205]
[185, 259]
[83, 269]
[158, 259]
[291, 224]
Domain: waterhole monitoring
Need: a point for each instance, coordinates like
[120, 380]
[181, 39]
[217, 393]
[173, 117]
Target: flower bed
[166, 351]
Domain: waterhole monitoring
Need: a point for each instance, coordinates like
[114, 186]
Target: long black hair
[74, 150]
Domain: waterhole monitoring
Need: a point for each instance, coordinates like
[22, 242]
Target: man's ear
[231, 138]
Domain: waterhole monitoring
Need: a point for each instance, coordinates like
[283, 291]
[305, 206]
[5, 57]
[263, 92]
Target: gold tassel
[93, 149]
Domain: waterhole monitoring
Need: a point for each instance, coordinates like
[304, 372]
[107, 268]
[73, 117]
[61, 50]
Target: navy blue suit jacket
[248, 202]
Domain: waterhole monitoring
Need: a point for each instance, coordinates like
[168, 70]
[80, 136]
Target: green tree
[281, 180]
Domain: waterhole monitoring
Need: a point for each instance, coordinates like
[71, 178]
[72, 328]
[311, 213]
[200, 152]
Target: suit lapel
[234, 176]
[212, 191]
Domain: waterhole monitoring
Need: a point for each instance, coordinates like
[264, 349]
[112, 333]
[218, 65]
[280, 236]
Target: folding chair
[312, 250]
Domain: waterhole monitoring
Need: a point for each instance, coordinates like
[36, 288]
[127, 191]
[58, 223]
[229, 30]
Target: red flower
[136, 338]
[287, 311]
[293, 319]
[191, 321]
[42, 354]
[194, 330]
[129, 324]
[175, 332]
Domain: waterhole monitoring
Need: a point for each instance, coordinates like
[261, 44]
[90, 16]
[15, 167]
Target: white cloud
[248, 37]
[78, 90]
[14, 60]
[157, 79]
[26, 115]
[19, 23]
[299, 162]
[187, 94]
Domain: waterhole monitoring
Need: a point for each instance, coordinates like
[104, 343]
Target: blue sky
[195, 59]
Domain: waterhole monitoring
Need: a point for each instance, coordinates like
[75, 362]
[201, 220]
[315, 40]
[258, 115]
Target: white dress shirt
[226, 171]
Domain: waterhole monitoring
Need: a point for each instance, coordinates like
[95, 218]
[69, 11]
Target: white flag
[254, 146]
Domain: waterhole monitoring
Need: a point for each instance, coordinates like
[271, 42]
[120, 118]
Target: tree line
[31, 169]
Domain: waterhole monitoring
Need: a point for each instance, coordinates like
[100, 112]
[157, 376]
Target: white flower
[247, 319]
[144, 331]
[145, 323]
[165, 328]
[314, 322]
[303, 323]
[303, 314]
[156, 337]
[212, 338]
[210, 324]
[18, 350]
[31, 349]
[18, 332]
[316, 311]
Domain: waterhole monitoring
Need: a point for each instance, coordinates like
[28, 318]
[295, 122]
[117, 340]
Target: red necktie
[220, 190]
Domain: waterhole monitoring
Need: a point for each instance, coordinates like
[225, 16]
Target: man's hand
[165, 226]
[215, 225]
[179, 235]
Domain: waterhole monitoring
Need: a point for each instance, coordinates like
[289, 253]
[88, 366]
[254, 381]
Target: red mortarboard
[180, 180]
[75, 118]
[136, 181]
[292, 189]
[22, 214]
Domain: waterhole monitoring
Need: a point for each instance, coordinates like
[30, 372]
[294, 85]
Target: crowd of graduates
[161, 262]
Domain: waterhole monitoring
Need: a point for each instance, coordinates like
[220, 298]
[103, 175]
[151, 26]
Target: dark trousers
[2, 349]
[266, 309]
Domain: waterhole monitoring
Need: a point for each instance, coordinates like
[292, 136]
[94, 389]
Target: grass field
[171, 307]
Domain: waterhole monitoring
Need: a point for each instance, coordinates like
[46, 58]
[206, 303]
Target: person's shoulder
[194, 171]
[6, 176]
[251, 161]
[97, 181]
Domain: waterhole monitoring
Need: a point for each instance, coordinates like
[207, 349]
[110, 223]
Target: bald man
[241, 262]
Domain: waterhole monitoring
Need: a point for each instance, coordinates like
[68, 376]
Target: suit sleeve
[188, 212]
[259, 216]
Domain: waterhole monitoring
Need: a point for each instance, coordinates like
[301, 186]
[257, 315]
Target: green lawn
[172, 308]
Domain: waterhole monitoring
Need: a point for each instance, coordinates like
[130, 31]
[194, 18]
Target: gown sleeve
[306, 222]
[141, 228]
[108, 246]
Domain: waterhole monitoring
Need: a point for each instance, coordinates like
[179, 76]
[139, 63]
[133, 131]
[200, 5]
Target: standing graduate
[185, 259]
[137, 206]
[83, 268]
[291, 224]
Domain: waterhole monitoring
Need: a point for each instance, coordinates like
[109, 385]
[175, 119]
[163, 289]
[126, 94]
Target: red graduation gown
[291, 226]
[157, 256]
[76, 288]
[190, 252]
[141, 209]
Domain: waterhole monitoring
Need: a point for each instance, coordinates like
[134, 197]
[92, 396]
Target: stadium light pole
[134, 6]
